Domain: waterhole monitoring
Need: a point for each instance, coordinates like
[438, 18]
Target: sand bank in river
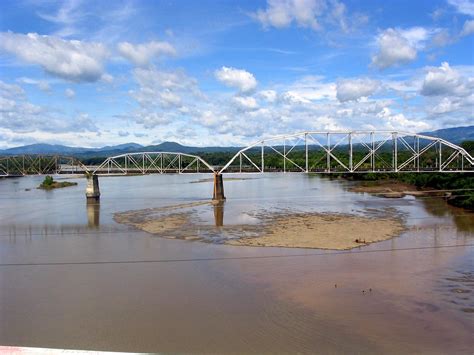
[324, 231]
[291, 230]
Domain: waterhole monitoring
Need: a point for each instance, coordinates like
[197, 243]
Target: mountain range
[454, 135]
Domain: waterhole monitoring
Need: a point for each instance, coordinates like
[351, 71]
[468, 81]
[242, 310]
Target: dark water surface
[71, 277]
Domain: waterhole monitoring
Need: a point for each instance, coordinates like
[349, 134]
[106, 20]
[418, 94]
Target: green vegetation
[49, 183]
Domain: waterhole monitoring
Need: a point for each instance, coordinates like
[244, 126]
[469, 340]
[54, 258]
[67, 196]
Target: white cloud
[150, 119]
[71, 60]
[468, 28]
[162, 88]
[236, 78]
[70, 93]
[397, 46]
[465, 7]
[19, 116]
[445, 80]
[281, 13]
[268, 95]
[446, 105]
[143, 54]
[44, 86]
[312, 14]
[41, 84]
[354, 89]
[245, 102]
[163, 97]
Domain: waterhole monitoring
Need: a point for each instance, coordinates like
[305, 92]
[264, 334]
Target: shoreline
[396, 189]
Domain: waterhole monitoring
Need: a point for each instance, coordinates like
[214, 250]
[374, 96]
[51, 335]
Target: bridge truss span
[40, 164]
[351, 152]
[153, 163]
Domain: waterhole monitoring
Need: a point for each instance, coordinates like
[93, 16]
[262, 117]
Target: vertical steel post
[350, 152]
[440, 155]
[373, 151]
[306, 150]
[284, 155]
[240, 158]
[328, 157]
[262, 163]
[395, 152]
[418, 153]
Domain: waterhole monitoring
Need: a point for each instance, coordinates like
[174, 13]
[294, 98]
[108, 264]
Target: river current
[71, 277]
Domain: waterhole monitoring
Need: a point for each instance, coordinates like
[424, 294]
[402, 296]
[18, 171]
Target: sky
[206, 73]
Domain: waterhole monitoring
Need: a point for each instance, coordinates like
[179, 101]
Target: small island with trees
[49, 183]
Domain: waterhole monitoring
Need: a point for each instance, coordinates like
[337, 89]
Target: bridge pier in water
[218, 188]
[92, 188]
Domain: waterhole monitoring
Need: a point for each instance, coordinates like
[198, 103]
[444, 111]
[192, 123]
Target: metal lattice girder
[351, 151]
[35, 164]
[152, 162]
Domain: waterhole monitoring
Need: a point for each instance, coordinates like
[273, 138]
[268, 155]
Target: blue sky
[94, 73]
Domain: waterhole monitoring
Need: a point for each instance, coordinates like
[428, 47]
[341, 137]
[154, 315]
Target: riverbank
[396, 189]
[457, 188]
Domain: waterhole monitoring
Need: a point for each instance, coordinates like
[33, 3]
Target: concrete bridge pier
[92, 188]
[218, 188]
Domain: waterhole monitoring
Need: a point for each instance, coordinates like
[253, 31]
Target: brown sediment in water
[289, 230]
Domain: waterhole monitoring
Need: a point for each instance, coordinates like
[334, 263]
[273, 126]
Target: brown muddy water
[71, 277]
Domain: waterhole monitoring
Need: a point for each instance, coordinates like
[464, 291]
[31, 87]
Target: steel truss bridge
[40, 164]
[352, 152]
[304, 152]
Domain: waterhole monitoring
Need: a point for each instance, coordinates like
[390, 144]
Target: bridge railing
[351, 152]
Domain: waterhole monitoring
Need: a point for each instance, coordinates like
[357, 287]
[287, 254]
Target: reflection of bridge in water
[324, 152]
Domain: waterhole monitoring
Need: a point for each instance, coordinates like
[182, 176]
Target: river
[71, 277]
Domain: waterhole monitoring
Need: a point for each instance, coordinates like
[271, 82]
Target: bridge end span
[92, 188]
[218, 188]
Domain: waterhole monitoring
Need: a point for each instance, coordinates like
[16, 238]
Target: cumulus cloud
[245, 102]
[354, 89]
[70, 93]
[393, 49]
[236, 78]
[399, 46]
[142, 54]
[465, 7]
[162, 88]
[444, 80]
[19, 115]
[468, 28]
[268, 95]
[312, 14]
[281, 13]
[71, 60]
[446, 105]
[41, 84]
[398, 121]
[163, 96]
